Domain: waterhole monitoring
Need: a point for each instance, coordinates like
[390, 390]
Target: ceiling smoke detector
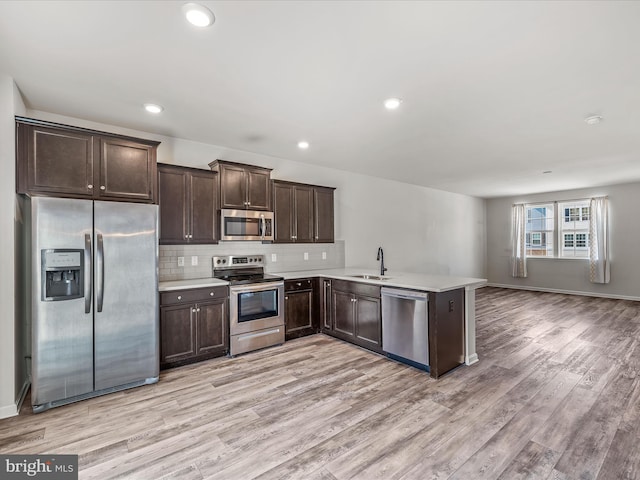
[198, 15]
[594, 119]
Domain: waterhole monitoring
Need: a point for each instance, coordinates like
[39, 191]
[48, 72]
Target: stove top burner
[234, 279]
[242, 270]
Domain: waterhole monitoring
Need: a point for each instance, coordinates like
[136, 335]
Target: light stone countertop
[414, 281]
[193, 283]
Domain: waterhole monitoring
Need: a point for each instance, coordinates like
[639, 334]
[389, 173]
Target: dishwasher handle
[406, 294]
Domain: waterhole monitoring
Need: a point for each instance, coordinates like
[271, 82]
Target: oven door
[255, 307]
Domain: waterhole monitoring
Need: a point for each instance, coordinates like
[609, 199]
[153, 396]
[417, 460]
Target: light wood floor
[556, 395]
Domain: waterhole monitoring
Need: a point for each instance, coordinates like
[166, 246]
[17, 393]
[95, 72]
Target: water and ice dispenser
[62, 274]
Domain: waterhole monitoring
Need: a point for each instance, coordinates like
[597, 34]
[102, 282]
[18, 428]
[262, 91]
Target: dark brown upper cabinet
[293, 212]
[187, 199]
[243, 187]
[65, 161]
[323, 214]
[303, 213]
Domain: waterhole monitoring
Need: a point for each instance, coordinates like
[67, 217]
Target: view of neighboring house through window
[568, 222]
[574, 229]
[539, 230]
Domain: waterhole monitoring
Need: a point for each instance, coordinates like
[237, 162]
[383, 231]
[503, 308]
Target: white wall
[420, 229]
[571, 275]
[10, 338]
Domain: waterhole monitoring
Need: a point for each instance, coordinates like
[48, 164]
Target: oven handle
[256, 287]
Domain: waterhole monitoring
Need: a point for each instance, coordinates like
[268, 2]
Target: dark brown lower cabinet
[194, 325]
[355, 314]
[300, 312]
[446, 331]
[324, 297]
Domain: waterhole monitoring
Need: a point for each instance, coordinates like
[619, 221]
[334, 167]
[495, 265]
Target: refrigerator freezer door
[126, 280]
[62, 333]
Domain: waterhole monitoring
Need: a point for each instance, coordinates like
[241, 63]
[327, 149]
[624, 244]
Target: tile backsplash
[289, 258]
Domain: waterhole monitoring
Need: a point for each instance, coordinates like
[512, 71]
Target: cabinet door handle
[198, 309]
[193, 310]
[317, 237]
[179, 297]
[299, 284]
[211, 294]
[89, 186]
[186, 236]
[102, 187]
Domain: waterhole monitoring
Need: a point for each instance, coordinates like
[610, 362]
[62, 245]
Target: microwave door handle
[263, 226]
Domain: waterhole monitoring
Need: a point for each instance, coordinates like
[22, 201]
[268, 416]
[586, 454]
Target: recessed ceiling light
[594, 119]
[392, 103]
[303, 145]
[547, 171]
[198, 15]
[153, 108]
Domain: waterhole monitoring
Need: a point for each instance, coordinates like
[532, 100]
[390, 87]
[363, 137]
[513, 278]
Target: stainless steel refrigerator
[94, 298]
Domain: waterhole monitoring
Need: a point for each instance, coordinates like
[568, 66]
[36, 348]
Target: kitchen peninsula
[451, 299]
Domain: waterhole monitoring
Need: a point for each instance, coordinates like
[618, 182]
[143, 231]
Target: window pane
[540, 230]
[581, 240]
[574, 228]
[568, 240]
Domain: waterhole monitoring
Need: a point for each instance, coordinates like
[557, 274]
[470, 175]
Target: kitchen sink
[370, 277]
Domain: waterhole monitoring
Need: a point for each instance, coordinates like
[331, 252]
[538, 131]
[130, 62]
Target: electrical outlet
[181, 261]
[324, 255]
[194, 260]
[274, 257]
[306, 255]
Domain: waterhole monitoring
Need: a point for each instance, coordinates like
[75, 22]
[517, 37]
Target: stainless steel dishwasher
[405, 326]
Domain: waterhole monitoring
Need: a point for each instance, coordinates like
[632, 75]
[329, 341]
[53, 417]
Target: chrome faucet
[380, 258]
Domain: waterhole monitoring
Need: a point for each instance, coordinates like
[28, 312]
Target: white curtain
[518, 252]
[599, 236]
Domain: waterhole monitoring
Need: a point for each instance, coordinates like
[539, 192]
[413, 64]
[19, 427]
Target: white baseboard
[8, 411]
[471, 359]
[565, 292]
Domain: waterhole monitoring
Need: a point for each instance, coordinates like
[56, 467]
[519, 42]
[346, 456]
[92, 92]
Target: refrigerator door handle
[100, 272]
[88, 293]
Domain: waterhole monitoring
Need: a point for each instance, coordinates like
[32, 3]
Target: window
[539, 230]
[568, 240]
[568, 222]
[574, 229]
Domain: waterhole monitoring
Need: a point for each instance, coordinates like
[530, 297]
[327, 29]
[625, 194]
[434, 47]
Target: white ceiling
[494, 93]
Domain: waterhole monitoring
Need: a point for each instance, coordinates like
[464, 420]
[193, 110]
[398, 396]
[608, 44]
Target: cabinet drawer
[298, 284]
[193, 295]
[357, 288]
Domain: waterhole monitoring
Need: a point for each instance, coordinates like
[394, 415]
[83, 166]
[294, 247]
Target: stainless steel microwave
[246, 225]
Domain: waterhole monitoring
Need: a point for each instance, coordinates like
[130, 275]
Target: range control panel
[238, 261]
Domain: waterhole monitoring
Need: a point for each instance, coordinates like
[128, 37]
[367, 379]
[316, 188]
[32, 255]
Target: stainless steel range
[256, 302]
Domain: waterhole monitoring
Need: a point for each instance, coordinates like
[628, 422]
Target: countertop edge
[464, 282]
